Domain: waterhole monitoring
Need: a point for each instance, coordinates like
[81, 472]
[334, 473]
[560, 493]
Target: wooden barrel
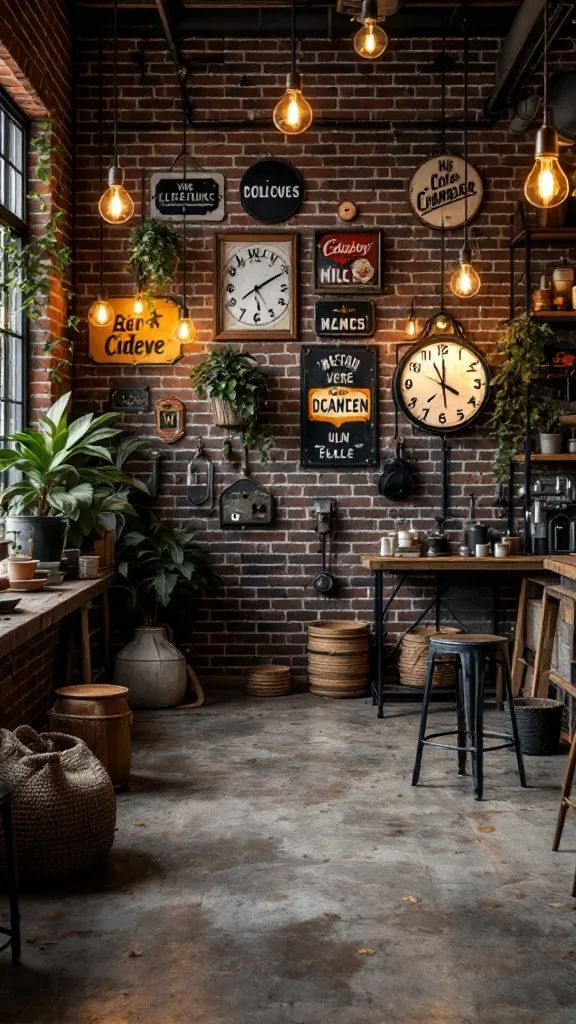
[338, 659]
[267, 681]
[99, 715]
[413, 657]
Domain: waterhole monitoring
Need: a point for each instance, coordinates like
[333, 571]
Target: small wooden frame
[169, 415]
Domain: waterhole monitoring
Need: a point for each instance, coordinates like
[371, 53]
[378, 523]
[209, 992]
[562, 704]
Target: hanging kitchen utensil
[324, 512]
[396, 482]
[245, 503]
[200, 481]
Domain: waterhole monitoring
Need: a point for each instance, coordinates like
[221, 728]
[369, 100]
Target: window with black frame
[13, 223]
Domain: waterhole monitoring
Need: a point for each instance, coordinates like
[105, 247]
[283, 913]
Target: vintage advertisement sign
[199, 195]
[136, 340]
[271, 191]
[345, 318]
[339, 406]
[169, 418]
[438, 189]
[129, 399]
[348, 261]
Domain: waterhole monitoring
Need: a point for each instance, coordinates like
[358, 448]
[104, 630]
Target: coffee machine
[553, 514]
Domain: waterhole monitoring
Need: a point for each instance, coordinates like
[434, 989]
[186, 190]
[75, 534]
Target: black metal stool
[13, 932]
[473, 651]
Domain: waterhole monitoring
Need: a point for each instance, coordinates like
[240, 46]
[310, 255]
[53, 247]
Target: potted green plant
[237, 389]
[550, 432]
[60, 465]
[160, 566]
[154, 252]
[522, 346]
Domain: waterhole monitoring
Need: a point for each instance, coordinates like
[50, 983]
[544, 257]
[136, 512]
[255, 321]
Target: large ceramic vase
[153, 670]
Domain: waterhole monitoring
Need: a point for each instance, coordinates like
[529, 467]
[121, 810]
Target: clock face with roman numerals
[442, 384]
[256, 286]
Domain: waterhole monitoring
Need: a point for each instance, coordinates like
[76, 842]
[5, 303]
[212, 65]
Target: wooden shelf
[535, 235]
[554, 315]
[538, 457]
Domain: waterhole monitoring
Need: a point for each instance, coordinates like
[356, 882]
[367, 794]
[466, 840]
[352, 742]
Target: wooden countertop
[564, 565]
[455, 563]
[40, 610]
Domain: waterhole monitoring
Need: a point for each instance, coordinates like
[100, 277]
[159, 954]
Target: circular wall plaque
[438, 188]
[271, 191]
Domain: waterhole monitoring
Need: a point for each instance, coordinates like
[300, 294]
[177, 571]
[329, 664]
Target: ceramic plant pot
[153, 670]
[42, 537]
[21, 568]
[550, 444]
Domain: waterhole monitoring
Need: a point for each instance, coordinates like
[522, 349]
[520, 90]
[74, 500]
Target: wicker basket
[225, 414]
[267, 681]
[338, 659]
[539, 724]
[413, 657]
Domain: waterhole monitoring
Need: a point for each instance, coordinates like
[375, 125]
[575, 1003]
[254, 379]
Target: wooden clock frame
[221, 240]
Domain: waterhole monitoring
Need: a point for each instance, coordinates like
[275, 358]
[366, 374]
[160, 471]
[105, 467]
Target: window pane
[14, 192]
[16, 147]
[12, 355]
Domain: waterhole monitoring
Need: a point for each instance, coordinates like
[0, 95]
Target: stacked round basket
[267, 681]
[338, 659]
[413, 657]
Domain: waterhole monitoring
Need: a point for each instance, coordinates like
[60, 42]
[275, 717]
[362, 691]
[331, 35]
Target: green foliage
[549, 421]
[155, 250]
[62, 465]
[523, 348]
[237, 378]
[31, 266]
[160, 565]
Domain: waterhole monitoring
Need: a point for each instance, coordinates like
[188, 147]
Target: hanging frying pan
[396, 482]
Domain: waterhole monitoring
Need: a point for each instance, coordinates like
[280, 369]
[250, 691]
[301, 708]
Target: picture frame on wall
[256, 286]
[348, 261]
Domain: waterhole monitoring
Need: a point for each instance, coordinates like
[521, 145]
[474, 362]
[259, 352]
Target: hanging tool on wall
[200, 481]
[324, 510]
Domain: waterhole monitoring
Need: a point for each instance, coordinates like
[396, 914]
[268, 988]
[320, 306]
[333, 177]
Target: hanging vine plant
[522, 346]
[154, 253]
[30, 268]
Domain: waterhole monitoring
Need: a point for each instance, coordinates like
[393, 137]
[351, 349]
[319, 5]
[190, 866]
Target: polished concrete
[273, 865]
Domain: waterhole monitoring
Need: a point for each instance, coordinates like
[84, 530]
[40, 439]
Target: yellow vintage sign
[137, 339]
[339, 405]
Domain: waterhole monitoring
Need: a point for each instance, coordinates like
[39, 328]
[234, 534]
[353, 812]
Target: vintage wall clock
[256, 286]
[442, 383]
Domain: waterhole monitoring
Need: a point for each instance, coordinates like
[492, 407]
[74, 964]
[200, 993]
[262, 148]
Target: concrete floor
[273, 865]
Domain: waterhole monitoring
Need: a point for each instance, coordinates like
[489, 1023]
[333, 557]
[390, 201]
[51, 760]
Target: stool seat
[469, 639]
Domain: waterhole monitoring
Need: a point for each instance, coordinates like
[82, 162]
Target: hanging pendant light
[465, 281]
[412, 326]
[138, 304]
[100, 312]
[546, 185]
[293, 114]
[185, 330]
[371, 40]
[116, 205]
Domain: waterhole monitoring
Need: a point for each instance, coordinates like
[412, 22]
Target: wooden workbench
[454, 563]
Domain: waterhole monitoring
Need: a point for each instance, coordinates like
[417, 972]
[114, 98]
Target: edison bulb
[100, 313]
[116, 205]
[293, 114]
[465, 282]
[412, 327]
[371, 40]
[442, 324]
[139, 304]
[546, 185]
[185, 330]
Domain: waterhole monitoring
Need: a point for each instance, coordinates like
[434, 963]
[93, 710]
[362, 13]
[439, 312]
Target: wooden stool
[473, 652]
[566, 801]
[13, 932]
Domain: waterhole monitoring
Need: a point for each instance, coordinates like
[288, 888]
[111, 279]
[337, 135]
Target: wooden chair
[567, 800]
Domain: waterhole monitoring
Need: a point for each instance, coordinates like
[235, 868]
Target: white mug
[386, 546]
[482, 550]
[501, 550]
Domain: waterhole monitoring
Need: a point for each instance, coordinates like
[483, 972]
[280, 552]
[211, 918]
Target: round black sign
[271, 191]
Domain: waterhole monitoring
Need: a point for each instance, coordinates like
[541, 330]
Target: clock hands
[258, 287]
[440, 381]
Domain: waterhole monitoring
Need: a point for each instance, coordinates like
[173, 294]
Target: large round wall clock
[442, 384]
[256, 286]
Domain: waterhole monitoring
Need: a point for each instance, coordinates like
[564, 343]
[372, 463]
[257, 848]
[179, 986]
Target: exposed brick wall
[267, 598]
[27, 677]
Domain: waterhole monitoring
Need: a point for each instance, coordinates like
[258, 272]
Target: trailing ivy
[30, 267]
[154, 253]
[237, 378]
[522, 346]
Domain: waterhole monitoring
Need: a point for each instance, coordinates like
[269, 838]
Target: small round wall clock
[442, 384]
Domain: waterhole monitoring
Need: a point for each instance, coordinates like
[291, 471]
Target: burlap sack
[64, 804]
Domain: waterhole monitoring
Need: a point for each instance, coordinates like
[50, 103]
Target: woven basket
[338, 659]
[413, 657]
[539, 724]
[267, 681]
[225, 414]
[64, 804]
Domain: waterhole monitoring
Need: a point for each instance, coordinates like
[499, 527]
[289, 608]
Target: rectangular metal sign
[339, 406]
[199, 195]
[136, 340]
[345, 318]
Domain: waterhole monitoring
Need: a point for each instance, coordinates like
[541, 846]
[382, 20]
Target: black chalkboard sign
[271, 191]
[199, 195]
[345, 318]
[339, 406]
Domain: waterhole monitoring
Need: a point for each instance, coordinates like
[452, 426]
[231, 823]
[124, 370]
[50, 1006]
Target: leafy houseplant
[522, 346]
[550, 428]
[154, 252]
[237, 388]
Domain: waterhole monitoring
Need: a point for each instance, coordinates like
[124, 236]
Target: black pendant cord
[442, 262]
[465, 18]
[293, 35]
[443, 90]
[115, 59]
[184, 222]
[101, 158]
[545, 68]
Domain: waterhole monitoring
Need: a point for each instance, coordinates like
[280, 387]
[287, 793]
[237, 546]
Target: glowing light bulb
[465, 282]
[371, 40]
[547, 185]
[185, 330]
[442, 324]
[100, 313]
[139, 304]
[293, 114]
[412, 328]
[116, 205]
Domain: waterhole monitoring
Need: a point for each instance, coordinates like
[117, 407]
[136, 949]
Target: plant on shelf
[550, 430]
[522, 346]
[154, 252]
[31, 267]
[237, 389]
